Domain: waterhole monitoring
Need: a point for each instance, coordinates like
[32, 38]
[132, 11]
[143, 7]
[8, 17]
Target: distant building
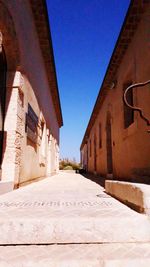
[30, 112]
[116, 142]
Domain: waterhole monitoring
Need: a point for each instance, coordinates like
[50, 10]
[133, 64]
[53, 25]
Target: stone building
[116, 143]
[30, 111]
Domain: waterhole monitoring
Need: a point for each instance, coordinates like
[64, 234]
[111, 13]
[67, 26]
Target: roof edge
[40, 15]
[114, 64]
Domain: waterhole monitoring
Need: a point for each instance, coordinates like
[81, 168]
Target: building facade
[30, 111]
[116, 143]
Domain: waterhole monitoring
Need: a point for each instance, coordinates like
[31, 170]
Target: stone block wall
[27, 84]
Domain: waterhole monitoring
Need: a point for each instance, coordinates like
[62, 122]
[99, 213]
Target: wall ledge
[136, 196]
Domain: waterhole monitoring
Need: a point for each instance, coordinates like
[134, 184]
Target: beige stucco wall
[31, 61]
[131, 146]
[33, 160]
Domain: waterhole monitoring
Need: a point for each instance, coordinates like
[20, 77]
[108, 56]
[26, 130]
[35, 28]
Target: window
[90, 149]
[100, 135]
[43, 145]
[128, 112]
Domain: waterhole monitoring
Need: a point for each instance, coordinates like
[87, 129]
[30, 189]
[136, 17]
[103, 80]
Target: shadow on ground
[101, 180]
[95, 178]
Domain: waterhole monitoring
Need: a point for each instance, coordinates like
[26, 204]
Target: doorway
[109, 146]
[3, 70]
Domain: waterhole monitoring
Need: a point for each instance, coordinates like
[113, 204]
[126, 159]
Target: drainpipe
[135, 108]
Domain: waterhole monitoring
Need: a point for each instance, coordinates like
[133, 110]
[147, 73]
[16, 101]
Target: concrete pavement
[67, 220]
[76, 255]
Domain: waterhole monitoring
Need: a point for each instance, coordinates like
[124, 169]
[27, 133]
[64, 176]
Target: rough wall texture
[13, 129]
[27, 84]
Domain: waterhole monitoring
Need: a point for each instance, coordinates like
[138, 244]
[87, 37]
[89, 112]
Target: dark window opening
[128, 112]
[90, 149]
[100, 135]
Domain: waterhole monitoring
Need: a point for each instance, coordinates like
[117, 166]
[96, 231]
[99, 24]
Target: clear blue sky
[84, 33]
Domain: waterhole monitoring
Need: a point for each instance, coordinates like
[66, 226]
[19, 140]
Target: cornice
[132, 19]
[40, 15]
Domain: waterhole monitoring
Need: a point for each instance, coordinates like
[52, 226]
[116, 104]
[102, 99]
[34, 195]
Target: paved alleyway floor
[69, 221]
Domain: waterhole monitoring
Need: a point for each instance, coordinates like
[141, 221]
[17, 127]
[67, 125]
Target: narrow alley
[68, 220]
